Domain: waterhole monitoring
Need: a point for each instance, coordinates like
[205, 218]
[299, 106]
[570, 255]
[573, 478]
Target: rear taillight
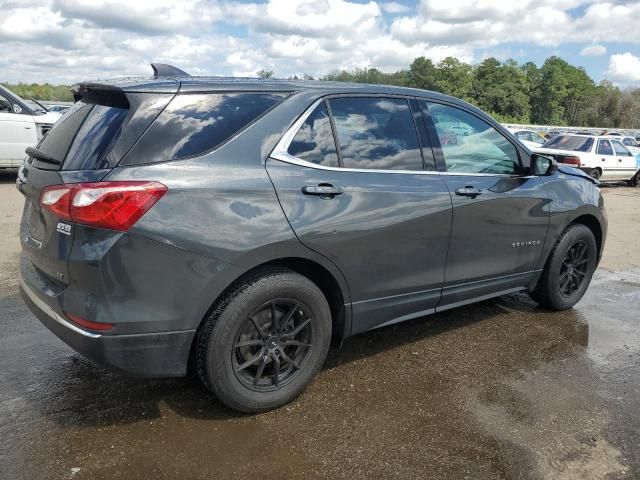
[571, 160]
[112, 205]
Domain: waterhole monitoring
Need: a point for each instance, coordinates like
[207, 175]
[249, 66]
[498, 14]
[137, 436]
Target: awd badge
[63, 228]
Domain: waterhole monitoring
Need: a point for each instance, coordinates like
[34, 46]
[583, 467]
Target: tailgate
[83, 146]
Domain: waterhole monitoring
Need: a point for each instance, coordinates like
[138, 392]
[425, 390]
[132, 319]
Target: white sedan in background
[21, 126]
[631, 144]
[604, 158]
[529, 138]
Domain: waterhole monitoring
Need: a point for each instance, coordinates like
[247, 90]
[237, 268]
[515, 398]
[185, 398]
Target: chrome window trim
[280, 151]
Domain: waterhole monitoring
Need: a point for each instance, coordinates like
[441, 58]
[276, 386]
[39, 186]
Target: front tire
[264, 341]
[569, 269]
[635, 181]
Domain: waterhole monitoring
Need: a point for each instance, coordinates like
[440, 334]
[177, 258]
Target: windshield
[570, 142]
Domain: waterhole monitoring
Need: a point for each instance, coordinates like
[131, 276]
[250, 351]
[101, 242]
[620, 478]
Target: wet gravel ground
[500, 389]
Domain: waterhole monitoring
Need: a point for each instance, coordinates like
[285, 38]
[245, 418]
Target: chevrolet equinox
[241, 225]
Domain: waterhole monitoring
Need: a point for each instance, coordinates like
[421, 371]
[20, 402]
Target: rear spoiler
[165, 80]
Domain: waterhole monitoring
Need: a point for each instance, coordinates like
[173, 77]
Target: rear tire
[569, 269]
[595, 174]
[253, 363]
[635, 181]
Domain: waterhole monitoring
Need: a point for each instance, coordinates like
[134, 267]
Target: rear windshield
[83, 135]
[570, 142]
[193, 124]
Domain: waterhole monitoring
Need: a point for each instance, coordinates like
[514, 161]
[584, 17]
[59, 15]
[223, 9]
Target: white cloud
[68, 40]
[593, 51]
[394, 8]
[624, 68]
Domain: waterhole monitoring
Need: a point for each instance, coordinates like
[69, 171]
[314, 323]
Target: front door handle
[468, 191]
[323, 190]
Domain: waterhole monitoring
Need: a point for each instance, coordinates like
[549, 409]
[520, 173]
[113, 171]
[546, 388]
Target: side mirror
[17, 108]
[543, 166]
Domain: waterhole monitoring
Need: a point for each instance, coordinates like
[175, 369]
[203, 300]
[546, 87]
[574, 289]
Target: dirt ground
[500, 389]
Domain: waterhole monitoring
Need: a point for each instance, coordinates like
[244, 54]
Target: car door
[499, 221]
[359, 186]
[625, 161]
[17, 132]
[606, 160]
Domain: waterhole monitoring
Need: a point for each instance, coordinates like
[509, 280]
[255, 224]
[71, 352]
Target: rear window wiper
[42, 156]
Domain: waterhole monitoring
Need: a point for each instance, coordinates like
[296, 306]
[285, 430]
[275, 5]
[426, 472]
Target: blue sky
[63, 41]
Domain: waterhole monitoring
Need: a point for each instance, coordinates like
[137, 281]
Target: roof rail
[164, 70]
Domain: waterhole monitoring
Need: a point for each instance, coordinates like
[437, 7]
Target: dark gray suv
[241, 226]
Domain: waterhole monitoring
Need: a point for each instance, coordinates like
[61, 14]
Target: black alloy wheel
[273, 345]
[568, 269]
[574, 269]
[265, 340]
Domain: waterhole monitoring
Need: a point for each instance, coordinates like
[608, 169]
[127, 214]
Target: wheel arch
[593, 224]
[335, 292]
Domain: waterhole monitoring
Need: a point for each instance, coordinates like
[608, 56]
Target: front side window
[629, 142]
[376, 133]
[470, 145]
[314, 141]
[604, 148]
[620, 149]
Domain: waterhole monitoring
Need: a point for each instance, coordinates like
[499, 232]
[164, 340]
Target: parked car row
[603, 157]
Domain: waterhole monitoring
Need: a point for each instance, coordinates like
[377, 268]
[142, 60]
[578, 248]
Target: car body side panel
[17, 132]
[572, 197]
[497, 237]
[388, 233]
[222, 206]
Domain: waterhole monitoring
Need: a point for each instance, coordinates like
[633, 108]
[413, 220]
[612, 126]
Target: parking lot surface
[499, 389]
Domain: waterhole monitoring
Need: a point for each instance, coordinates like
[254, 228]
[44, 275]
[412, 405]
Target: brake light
[111, 205]
[57, 200]
[571, 160]
[89, 324]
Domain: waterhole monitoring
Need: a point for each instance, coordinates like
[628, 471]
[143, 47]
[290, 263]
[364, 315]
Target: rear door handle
[468, 191]
[322, 190]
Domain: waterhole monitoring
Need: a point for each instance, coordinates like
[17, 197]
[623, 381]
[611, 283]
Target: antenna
[164, 70]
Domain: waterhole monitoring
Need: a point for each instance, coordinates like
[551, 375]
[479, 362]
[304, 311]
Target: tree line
[41, 91]
[556, 93]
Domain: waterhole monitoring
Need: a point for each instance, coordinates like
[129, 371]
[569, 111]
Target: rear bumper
[161, 354]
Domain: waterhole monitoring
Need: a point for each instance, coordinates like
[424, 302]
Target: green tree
[422, 74]
[502, 89]
[265, 74]
[454, 78]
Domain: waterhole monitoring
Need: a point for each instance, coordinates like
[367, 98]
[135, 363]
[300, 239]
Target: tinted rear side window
[376, 133]
[193, 124]
[82, 137]
[60, 137]
[314, 141]
[99, 130]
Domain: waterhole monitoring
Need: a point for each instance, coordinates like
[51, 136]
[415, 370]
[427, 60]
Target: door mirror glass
[543, 166]
[17, 108]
